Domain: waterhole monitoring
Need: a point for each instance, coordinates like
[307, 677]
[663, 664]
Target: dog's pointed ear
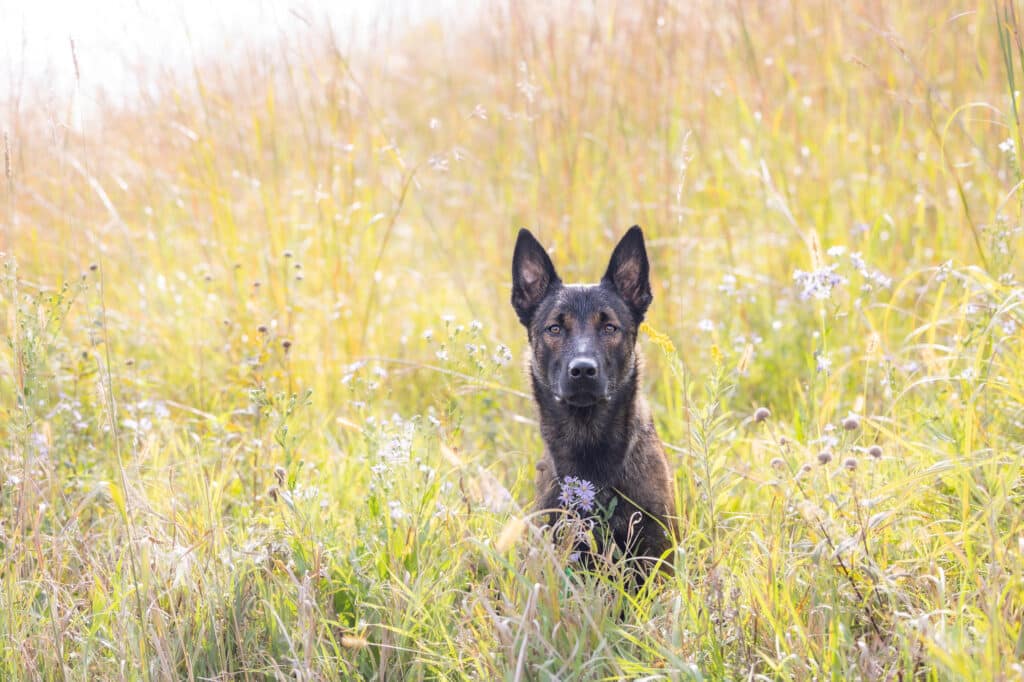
[629, 272]
[532, 276]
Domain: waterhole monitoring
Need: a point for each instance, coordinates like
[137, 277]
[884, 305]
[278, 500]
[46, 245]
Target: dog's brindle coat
[585, 373]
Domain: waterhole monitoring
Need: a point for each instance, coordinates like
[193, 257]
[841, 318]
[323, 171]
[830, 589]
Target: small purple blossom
[817, 284]
[823, 363]
[578, 494]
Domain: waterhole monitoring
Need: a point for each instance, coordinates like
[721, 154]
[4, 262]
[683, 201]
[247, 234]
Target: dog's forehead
[583, 300]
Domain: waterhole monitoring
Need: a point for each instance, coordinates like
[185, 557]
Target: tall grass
[261, 409]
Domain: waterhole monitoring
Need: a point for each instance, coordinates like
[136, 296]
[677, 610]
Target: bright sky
[111, 36]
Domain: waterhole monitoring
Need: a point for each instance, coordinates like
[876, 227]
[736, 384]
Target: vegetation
[262, 416]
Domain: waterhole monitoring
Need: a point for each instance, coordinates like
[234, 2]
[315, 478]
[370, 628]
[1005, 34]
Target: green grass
[261, 409]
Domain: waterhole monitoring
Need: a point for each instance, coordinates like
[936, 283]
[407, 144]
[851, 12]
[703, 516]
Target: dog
[602, 452]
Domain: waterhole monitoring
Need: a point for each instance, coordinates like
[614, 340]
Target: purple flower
[578, 494]
[817, 284]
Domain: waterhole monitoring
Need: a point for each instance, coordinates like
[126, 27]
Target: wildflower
[822, 362]
[286, 344]
[851, 423]
[706, 325]
[578, 494]
[438, 162]
[279, 474]
[503, 356]
[850, 463]
[1008, 146]
[761, 414]
[818, 283]
[824, 457]
[875, 451]
[288, 254]
[778, 463]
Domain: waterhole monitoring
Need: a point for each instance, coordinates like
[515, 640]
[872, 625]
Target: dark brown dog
[602, 454]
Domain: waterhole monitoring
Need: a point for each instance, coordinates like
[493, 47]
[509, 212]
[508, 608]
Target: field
[263, 407]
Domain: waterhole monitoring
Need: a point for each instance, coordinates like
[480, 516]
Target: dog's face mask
[581, 336]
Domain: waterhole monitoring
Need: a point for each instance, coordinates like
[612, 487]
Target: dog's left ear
[629, 272]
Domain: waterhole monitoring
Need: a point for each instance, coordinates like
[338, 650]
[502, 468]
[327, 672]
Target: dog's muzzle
[583, 383]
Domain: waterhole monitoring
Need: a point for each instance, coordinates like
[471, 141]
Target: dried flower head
[875, 451]
[850, 463]
[761, 414]
[778, 463]
[824, 457]
[353, 642]
[851, 423]
[510, 534]
[279, 474]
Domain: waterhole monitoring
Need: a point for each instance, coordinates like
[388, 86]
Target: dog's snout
[583, 367]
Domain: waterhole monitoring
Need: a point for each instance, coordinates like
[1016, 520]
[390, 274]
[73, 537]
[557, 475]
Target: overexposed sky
[113, 36]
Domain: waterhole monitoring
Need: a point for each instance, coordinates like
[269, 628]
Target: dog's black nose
[583, 367]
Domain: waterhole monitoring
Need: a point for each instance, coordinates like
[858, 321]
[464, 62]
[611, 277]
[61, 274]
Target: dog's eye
[555, 329]
[610, 329]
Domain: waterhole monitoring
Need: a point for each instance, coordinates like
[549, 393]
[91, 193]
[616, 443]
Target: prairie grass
[261, 407]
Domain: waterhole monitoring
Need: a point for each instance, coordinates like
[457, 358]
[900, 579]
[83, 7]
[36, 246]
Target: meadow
[263, 408]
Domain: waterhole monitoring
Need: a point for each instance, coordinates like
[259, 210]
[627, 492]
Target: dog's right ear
[532, 276]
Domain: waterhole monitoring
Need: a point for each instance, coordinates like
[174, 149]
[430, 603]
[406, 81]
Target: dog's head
[582, 337]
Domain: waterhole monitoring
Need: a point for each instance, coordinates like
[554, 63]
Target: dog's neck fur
[592, 443]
